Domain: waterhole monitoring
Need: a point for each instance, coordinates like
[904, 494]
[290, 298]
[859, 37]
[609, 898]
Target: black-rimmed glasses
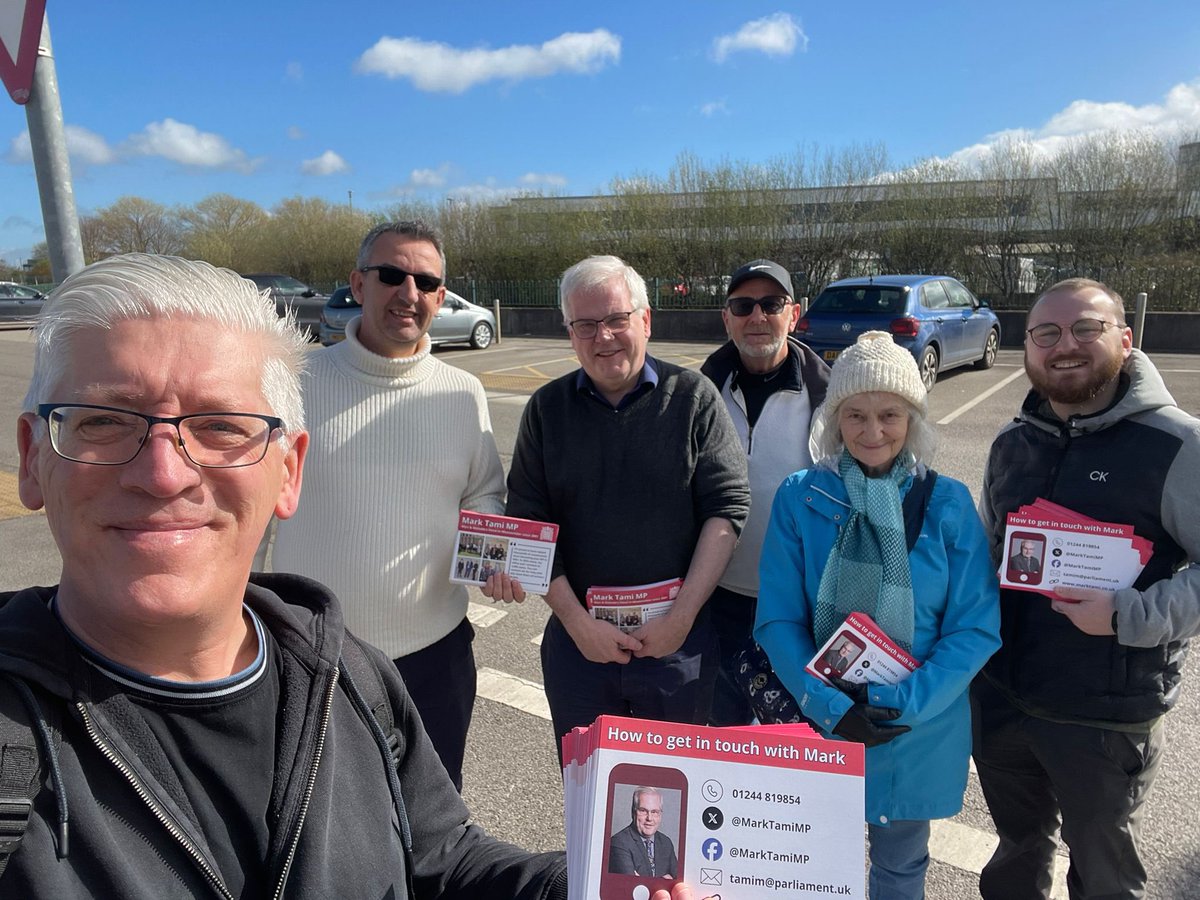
[744, 306]
[586, 329]
[108, 436]
[1085, 331]
[394, 276]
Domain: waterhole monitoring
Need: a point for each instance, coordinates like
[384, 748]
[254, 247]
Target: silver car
[458, 321]
[19, 303]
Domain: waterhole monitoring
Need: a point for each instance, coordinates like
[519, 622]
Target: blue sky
[266, 100]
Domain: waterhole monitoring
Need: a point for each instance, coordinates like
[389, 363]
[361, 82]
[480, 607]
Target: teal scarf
[867, 570]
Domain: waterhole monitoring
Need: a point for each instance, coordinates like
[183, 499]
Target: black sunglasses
[394, 277]
[744, 306]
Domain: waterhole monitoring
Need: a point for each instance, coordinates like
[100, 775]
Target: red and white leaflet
[629, 608]
[860, 651]
[1047, 546]
[746, 813]
[487, 544]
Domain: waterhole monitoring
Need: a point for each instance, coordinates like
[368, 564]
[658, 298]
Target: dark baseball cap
[761, 268]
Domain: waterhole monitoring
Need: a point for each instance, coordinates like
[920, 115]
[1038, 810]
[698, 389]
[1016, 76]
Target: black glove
[855, 691]
[859, 725]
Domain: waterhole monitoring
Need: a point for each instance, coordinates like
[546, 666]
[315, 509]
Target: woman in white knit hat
[837, 544]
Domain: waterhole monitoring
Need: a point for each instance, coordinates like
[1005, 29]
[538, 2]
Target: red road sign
[20, 31]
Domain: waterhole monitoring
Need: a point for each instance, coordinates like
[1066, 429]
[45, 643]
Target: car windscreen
[342, 299]
[869, 299]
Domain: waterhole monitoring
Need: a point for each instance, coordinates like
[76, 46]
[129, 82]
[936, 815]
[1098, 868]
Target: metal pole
[496, 310]
[43, 112]
[1139, 319]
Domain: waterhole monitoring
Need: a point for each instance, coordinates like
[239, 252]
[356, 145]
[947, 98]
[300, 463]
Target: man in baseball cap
[771, 383]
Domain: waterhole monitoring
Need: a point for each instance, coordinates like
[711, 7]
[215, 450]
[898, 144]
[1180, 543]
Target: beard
[1104, 371]
[760, 351]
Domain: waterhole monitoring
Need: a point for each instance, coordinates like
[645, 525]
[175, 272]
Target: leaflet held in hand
[1048, 546]
[860, 651]
[742, 813]
[629, 608]
[488, 544]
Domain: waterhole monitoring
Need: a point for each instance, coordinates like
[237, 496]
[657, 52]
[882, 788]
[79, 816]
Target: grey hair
[825, 438]
[637, 797]
[138, 286]
[595, 271]
[415, 230]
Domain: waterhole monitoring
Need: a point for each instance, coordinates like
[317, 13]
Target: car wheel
[929, 366]
[481, 336]
[990, 348]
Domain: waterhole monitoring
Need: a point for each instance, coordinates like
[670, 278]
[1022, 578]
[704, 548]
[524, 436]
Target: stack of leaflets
[629, 608]
[487, 545]
[860, 651]
[1047, 546]
[741, 813]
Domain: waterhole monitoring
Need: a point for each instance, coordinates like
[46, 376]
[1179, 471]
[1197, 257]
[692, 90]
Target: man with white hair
[172, 728]
[636, 460]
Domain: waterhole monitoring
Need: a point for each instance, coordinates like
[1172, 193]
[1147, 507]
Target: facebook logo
[711, 849]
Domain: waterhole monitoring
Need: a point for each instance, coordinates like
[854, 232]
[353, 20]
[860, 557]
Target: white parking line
[971, 404]
[482, 616]
[519, 693]
[508, 399]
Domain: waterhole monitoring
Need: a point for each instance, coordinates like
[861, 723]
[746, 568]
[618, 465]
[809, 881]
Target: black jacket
[1135, 463]
[335, 829]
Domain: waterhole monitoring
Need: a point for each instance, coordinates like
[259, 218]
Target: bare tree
[225, 231]
[136, 225]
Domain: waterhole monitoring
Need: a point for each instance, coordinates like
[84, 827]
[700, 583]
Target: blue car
[934, 317]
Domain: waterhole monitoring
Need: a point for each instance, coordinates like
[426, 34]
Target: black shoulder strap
[916, 501]
[369, 682]
[20, 769]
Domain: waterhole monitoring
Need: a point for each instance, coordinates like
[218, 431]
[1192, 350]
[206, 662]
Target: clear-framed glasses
[394, 276]
[1085, 331]
[586, 329]
[744, 306]
[108, 436]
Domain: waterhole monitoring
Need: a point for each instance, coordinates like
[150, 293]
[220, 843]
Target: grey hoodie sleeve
[1169, 610]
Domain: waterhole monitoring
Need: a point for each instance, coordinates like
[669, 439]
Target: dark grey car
[297, 296]
[19, 303]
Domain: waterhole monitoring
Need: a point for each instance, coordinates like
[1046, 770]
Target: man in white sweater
[399, 442]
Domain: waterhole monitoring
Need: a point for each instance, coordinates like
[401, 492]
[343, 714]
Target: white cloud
[775, 35]
[294, 71]
[295, 133]
[1177, 114]
[540, 179]
[434, 66]
[328, 163]
[84, 147]
[429, 178]
[712, 108]
[188, 146]
[488, 192]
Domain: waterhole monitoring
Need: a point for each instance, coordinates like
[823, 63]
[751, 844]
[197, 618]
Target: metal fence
[1170, 289]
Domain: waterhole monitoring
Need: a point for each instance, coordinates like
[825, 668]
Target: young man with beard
[1067, 714]
[771, 383]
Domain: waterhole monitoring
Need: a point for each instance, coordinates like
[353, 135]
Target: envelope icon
[710, 876]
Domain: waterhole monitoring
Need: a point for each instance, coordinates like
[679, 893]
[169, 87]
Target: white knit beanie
[875, 362]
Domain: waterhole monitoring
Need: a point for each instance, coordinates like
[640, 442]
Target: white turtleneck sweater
[396, 448]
